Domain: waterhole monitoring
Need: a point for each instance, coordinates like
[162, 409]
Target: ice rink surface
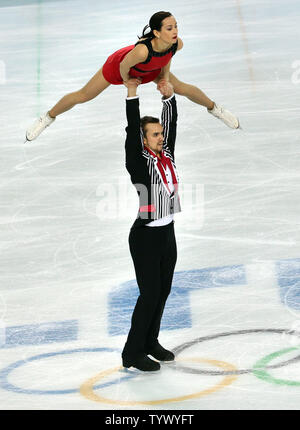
[67, 283]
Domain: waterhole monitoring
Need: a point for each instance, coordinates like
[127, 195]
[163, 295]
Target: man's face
[154, 137]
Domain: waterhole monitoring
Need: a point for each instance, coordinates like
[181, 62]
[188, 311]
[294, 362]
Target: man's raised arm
[134, 143]
[169, 115]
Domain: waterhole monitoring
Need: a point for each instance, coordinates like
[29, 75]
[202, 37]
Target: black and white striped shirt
[156, 200]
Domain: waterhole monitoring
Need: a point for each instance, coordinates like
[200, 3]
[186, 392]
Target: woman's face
[169, 31]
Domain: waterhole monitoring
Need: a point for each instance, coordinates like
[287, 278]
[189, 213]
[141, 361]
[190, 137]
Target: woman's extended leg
[194, 94]
[92, 89]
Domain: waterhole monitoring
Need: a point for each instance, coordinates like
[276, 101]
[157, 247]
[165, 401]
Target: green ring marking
[260, 372]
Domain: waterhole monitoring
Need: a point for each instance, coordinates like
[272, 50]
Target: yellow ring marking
[86, 389]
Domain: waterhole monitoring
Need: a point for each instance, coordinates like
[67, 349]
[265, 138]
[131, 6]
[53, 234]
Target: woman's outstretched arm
[165, 71]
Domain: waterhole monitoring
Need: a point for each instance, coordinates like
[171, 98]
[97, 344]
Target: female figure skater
[150, 60]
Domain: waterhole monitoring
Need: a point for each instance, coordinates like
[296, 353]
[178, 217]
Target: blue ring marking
[4, 373]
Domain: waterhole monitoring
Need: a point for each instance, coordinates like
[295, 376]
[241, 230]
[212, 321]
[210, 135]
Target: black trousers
[154, 254]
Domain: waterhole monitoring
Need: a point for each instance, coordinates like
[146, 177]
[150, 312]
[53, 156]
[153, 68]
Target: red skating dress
[148, 70]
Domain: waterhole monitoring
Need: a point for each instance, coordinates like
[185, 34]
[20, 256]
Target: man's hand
[132, 85]
[132, 82]
[165, 88]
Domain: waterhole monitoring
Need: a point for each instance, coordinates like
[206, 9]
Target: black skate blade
[239, 127]
[26, 140]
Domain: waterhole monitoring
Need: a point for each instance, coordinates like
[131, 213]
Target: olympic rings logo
[229, 373]
[87, 391]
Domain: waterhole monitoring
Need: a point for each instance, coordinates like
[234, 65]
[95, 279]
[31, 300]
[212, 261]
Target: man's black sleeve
[169, 122]
[133, 143]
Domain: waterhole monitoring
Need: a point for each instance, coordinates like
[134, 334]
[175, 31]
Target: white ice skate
[224, 115]
[38, 126]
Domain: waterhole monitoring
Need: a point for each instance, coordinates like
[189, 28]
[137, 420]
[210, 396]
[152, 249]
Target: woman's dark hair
[148, 120]
[155, 23]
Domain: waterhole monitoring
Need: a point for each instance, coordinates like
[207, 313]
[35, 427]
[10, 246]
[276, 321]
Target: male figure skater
[150, 162]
